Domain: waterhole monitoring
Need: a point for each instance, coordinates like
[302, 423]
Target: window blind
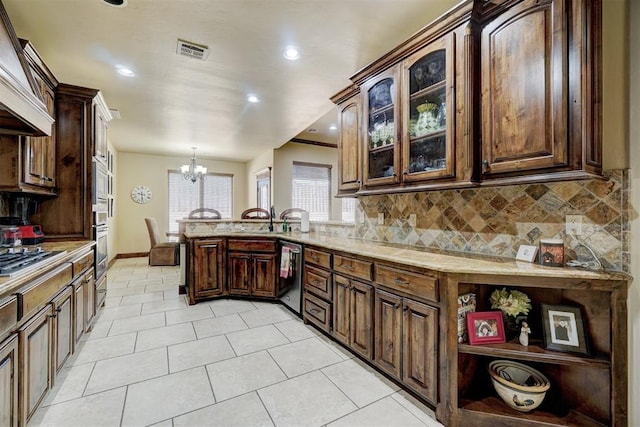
[212, 191]
[349, 209]
[311, 189]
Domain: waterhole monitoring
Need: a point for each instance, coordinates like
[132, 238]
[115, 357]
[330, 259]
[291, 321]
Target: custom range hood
[21, 110]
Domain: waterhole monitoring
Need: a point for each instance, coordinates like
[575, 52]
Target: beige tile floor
[153, 360]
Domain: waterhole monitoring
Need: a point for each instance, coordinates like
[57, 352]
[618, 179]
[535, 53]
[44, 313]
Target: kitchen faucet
[273, 213]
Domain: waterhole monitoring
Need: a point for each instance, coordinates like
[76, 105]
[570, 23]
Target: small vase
[512, 326]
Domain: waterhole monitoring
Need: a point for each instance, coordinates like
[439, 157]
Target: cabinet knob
[405, 308]
[396, 306]
[405, 172]
[53, 316]
[485, 164]
[58, 310]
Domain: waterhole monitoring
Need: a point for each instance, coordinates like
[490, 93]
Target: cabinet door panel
[63, 328]
[349, 144]
[524, 89]
[240, 265]
[362, 318]
[341, 309]
[35, 351]
[208, 269]
[264, 277]
[420, 348]
[78, 313]
[9, 382]
[89, 300]
[388, 333]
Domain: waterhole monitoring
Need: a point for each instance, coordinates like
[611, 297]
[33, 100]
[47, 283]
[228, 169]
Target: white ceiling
[174, 102]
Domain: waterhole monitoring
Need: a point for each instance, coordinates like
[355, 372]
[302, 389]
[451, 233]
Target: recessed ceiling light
[116, 3]
[291, 53]
[253, 98]
[125, 71]
[333, 127]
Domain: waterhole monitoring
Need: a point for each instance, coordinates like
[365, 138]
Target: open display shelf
[586, 389]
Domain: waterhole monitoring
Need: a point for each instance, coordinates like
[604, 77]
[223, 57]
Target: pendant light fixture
[192, 171]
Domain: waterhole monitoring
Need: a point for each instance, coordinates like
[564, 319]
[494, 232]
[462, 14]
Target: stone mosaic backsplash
[497, 220]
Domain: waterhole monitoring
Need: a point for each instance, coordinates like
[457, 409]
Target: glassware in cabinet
[381, 124]
[428, 125]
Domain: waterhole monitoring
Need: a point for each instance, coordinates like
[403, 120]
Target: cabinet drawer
[317, 312]
[82, 263]
[320, 258]
[353, 267]
[40, 292]
[419, 285]
[318, 282]
[8, 314]
[252, 245]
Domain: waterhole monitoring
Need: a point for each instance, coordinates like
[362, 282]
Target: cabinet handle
[53, 316]
[58, 310]
[396, 306]
[316, 282]
[402, 282]
[348, 267]
[314, 310]
[405, 172]
[405, 308]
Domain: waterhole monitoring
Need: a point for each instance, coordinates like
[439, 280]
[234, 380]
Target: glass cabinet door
[381, 161]
[428, 121]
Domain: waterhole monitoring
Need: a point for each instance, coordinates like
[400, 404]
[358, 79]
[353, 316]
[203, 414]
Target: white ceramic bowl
[520, 386]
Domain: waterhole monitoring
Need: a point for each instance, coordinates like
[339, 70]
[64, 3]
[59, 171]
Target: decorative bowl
[428, 106]
[520, 386]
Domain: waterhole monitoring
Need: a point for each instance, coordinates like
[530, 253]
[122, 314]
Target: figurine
[525, 330]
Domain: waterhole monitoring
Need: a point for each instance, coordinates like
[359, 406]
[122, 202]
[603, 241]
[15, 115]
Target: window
[349, 209]
[311, 189]
[212, 191]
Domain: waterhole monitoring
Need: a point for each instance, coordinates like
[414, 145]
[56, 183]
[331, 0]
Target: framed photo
[526, 253]
[485, 327]
[564, 329]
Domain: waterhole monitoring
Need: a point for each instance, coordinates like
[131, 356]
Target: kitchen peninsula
[396, 308]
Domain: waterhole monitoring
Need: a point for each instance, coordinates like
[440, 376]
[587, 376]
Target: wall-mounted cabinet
[477, 98]
[349, 122]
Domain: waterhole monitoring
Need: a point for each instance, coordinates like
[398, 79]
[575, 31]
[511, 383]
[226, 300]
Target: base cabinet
[35, 361]
[252, 267]
[207, 268]
[353, 314]
[62, 328]
[9, 381]
[79, 309]
[406, 345]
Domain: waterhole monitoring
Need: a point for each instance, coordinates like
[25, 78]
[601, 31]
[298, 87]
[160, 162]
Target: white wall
[282, 174]
[151, 170]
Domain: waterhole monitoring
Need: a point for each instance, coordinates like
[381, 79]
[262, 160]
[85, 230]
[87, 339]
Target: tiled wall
[497, 220]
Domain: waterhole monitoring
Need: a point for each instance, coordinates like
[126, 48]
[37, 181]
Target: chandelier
[193, 171]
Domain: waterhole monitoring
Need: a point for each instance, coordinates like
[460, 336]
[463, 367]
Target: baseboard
[132, 255]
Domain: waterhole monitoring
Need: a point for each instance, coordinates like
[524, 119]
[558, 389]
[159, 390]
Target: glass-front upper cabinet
[428, 77]
[381, 129]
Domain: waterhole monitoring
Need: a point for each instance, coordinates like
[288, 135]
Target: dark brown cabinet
[207, 266]
[89, 299]
[9, 381]
[406, 342]
[252, 268]
[36, 368]
[318, 288]
[353, 314]
[349, 160]
[70, 215]
[39, 152]
[540, 90]
[491, 93]
[63, 341]
[79, 290]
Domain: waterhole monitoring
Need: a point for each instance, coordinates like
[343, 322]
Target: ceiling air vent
[192, 50]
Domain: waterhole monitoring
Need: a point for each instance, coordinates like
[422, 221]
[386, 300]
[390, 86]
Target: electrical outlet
[380, 218]
[573, 225]
[412, 220]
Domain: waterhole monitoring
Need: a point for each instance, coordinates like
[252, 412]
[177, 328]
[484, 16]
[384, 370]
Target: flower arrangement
[511, 303]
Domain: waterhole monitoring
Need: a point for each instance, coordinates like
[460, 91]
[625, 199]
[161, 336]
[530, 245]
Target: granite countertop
[446, 262]
[68, 251]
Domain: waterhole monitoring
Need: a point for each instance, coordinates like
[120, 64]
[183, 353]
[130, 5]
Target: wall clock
[141, 194]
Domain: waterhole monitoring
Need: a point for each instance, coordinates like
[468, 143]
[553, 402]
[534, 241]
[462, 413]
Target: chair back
[204, 213]
[258, 213]
[292, 213]
[154, 234]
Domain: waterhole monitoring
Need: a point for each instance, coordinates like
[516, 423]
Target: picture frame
[527, 253]
[564, 329]
[485, 327]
